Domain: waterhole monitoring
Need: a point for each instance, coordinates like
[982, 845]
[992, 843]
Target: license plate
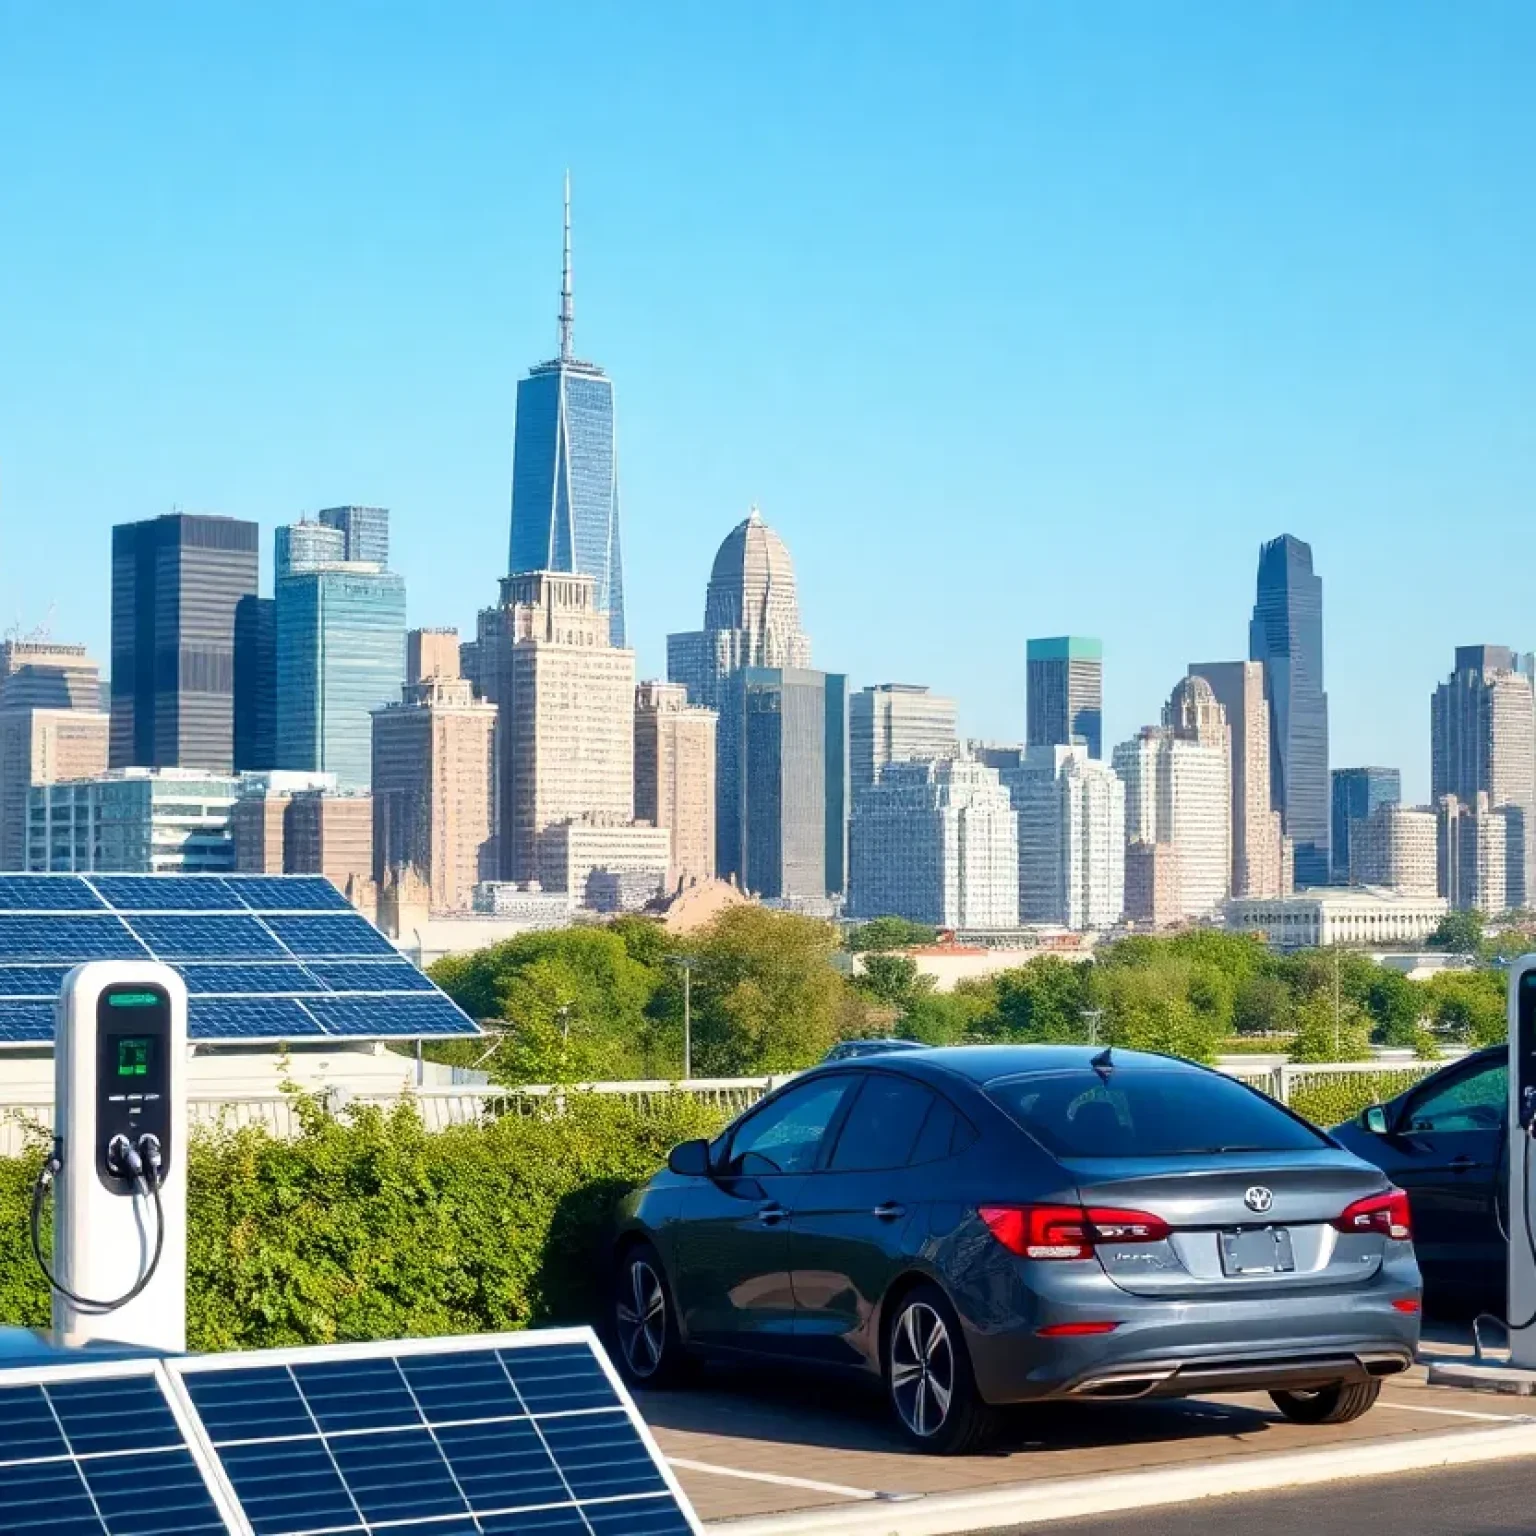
[1257, 1251]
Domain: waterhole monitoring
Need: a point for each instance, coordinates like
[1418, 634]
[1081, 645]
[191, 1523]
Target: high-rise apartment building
[895, 723]
[1356, 792]
[1066, 693]
[1071, 811]
[255, 685]
[936, 841]
[1152, 888]
[340, 651]
[1481, 853]
[332, 835]
[566, 700]
[177, 582]
[1286, 636]
[431, 653]
[793, 751]
[434, 789]
[1396, 847]
[565, 471]
[751, 619]
[52, 730]
[1259, 852]
[675, 777]
[364, 532]
[1483, 741]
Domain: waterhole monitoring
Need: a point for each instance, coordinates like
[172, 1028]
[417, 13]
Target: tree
[1148, 1008]
[1042, 1000]
[893, 980]
[1396, 1007]
[938, 1018]
[1459, 932]
[881, 933]
[1262, 1006]
[1469, 1006]
[1323, 1035]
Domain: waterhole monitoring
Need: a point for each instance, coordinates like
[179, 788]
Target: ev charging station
[118, 1167]
[1522, 1164]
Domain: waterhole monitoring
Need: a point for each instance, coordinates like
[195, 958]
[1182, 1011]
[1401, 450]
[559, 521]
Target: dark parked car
[985, 1225]
[848, 1050]
[1444, 1142]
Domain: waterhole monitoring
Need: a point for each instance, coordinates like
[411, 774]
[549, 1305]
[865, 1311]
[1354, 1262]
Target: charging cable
[140, 1163]
[1509, 1325]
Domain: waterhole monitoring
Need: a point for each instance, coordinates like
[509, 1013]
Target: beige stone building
[431, 653]
[1152, 884]
[434, 789]
[675, 777]
[565, 697]
[571, 851]
[330, 835]
[1396, 848]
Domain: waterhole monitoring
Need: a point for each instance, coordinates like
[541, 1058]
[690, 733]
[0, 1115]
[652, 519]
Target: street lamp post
[1091, 1017]
[686, 963]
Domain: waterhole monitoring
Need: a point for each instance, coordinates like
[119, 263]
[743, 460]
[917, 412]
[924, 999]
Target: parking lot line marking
[1459, 1413]
[809, 1484]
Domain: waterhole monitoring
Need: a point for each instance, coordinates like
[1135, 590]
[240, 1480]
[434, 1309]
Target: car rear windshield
[1148, 1114]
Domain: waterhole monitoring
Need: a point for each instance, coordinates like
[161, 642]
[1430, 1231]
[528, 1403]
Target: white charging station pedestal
[120, 1064]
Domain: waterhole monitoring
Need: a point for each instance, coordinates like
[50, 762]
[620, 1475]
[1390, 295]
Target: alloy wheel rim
[922, 1370]
[642, 1318]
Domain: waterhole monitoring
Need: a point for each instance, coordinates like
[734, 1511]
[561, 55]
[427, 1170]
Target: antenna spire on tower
[567, 307]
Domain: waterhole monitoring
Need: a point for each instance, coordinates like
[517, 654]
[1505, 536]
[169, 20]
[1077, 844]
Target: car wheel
[928, 1377]
[1329, 1405]
[650, 1352]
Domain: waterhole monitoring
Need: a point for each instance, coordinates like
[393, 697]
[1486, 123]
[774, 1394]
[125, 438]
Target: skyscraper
[751, 619]
[793, 751]
[1396, 847]
[1258, 849]
[364, 532]
[936, 841]
[340, 650]
[566, 701]
[894, 723]
[675, 777]
[1066, 693]
[255, 684]
[1483, 741]
[1356, 794]
[176, 583]
[1480, 853]
[565, 474]
[1286, 635]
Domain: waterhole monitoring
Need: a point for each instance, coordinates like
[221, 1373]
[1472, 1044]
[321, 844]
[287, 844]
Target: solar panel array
[268, 959]
[511, 1433]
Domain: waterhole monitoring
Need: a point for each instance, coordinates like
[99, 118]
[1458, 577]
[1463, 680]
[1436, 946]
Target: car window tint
[936, 1139]
[962, 1136]
[784, 1136]
[1476, 1101]
[882, 1125]
[1148, 1114]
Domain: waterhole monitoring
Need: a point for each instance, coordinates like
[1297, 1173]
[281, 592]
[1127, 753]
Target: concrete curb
[1016, 1504]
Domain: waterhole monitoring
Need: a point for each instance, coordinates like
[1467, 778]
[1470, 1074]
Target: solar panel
[208, 938]
[249, 1018]
[339, 936]
[25, 1023]
[32, 980]
[165, 893]
[46, 893]
[87, 937]
[527, 1433]
[95, 1450]
[370, 976]
[253, 980]
[409, 1017]
[279, 893]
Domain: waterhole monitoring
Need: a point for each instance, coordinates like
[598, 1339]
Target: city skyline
[1297, 359]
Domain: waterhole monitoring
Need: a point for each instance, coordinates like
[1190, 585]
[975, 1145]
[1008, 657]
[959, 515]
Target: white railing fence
[27, 1120]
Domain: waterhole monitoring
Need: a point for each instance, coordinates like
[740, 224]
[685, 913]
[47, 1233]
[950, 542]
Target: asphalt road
[1495, 1499]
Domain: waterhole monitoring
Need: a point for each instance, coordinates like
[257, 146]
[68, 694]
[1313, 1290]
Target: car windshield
[1148, 1114]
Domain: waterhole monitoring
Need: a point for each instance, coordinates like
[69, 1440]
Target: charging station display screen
[132, 1074]
[134, 1056]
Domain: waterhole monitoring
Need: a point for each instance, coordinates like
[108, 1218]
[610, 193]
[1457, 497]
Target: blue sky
[1015, 320]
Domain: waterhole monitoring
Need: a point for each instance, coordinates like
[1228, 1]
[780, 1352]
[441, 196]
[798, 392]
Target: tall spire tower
[565, 470]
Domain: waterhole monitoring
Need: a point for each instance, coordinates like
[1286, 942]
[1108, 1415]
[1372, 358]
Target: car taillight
[1386, 1214]
[1068, 1231]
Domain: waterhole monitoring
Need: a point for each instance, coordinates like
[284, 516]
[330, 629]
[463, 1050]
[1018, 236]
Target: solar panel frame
[393, 1406]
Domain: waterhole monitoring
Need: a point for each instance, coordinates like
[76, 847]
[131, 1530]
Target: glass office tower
[1356, 794]
[1286, 635]
[565, 481]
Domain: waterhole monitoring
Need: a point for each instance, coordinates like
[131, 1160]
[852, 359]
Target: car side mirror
[1375, 1120]
[690, 1159]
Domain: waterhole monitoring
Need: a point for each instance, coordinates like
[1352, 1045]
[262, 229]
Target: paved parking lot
[756, 1444]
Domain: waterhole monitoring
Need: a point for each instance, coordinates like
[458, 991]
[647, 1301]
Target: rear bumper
[1191, 1378]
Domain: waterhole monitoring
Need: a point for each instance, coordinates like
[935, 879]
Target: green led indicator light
[133, 999]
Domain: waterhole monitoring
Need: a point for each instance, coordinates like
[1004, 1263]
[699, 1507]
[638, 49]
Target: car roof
[984, 1063]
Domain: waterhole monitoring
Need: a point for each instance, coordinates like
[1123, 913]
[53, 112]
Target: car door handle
[1463, 1163]
[771, 1214]
[890, 1211]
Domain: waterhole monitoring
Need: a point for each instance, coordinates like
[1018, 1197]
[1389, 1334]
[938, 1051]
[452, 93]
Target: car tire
[929, 1383]
[649, 1349]
[1329, 1405]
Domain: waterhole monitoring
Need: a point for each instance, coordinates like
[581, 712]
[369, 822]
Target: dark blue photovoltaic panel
[379, 1016]
[166, 893]
[343, 936]
[23, 1023]
[32, 980]
[248, 1018]
[72, 939]
[46, 893]
[272, 978]
[207, 938]
[97, 1456]
[513, 1440]
[288, 893]
[371, 976]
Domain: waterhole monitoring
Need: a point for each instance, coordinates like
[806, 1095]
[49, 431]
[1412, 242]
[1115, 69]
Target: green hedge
[1330, 1101]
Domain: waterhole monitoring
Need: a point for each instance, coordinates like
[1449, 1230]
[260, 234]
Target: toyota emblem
[1258, 1199]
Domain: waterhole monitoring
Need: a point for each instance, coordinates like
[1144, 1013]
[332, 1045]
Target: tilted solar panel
[257, 979]
[410, 1017]
[46, 893]
[339, 936]
[90, 936]
[166, 893]
[370, 976]
[249, 1018]
[280, 893]
[32, 980]
[25, 1023]
[95, 1450]
[214, 937]
[506, 1433]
